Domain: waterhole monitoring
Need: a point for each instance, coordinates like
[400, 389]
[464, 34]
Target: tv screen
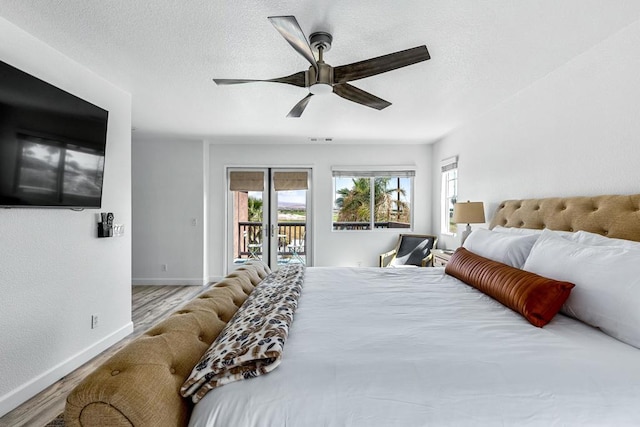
[52, 145]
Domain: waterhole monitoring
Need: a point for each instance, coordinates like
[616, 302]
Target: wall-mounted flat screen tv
[52, 145]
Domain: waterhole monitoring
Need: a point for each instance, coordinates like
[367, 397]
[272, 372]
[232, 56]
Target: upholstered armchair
[411, 249]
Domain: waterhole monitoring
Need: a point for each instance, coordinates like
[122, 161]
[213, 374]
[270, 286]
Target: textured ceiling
[166, 52]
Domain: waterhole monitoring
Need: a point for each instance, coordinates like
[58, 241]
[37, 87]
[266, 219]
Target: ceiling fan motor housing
[322, 81]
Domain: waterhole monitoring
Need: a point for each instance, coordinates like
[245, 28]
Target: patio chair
[411, 250]
[253, 245]
[296, 247]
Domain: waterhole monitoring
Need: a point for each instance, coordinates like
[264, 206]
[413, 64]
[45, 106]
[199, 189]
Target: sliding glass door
[269, 216]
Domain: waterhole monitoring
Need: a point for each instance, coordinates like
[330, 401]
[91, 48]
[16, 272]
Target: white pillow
[510, 249]
[607, 279]
[592, 239]
[529, 231]
[516, 230]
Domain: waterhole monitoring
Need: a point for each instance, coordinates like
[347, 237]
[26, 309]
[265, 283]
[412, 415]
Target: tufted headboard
[612, 216]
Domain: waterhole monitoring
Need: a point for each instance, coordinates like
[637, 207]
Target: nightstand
[441, 257]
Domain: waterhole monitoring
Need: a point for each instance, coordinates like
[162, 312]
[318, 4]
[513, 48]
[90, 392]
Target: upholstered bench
[139, 385]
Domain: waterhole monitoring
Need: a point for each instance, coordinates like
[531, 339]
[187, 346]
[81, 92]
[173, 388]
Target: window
[449, 194]
[390, 206]
[59, 170]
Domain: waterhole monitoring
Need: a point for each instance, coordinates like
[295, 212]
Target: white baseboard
[169, 282]
[215, 279]
[16, 397]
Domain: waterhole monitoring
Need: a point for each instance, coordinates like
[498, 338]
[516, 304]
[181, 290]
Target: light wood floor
[149, 305]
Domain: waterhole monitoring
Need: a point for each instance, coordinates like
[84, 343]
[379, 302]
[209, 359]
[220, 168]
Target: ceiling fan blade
[297, 79]
[288, 27]
[298, 109]
[381, 64]
[354, 94]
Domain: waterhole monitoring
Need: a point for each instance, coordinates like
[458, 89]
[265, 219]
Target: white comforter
[415, 347]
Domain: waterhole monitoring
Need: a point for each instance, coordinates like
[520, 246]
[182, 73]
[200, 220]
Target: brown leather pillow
[537, 298]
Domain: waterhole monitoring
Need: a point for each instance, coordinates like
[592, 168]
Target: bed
[413, 347]
[421, 349]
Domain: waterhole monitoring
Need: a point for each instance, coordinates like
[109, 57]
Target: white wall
[329, 248]
[54, 272]
[168, 216]
[574, 132]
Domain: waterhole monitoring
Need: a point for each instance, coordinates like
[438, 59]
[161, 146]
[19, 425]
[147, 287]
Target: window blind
[290, 181]
[246, 181]
[373, 173]
[448, 164]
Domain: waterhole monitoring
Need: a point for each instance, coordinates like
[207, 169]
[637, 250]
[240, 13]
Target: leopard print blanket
[251, 344]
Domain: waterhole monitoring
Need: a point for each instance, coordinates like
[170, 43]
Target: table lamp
[469, 213]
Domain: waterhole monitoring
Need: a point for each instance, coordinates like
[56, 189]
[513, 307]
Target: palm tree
[354, 202]
[254, 207]
[254, 211]
[383, 199]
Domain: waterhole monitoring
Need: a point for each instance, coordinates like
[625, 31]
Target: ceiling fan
[322, 77]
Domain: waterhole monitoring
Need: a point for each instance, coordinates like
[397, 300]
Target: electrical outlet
[94, 321]
[164, 267]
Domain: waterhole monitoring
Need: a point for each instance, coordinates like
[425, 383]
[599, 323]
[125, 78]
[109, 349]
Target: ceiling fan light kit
[322, 78]
[320, 81]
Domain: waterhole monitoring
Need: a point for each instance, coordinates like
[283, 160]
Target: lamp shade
[468, 213]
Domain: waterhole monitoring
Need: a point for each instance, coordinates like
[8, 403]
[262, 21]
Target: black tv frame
[39, 121]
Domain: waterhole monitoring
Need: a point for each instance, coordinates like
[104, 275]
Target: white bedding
[414, 347]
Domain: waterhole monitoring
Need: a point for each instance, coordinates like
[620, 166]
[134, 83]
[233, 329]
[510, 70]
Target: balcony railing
[367, 226]
[291, 237]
